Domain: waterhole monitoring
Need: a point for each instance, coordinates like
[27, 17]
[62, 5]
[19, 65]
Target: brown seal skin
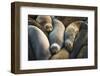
[62, 54]
[56, 37]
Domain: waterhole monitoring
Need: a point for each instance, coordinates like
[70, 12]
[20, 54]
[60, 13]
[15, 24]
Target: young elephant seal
[45, 22]
[56, 37]
[38, 44]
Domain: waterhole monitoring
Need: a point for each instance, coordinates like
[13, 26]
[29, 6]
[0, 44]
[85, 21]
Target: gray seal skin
[56, 37]
[38, 44]
[62, 54]
[70, 34]
[45, 23]
[83, 52]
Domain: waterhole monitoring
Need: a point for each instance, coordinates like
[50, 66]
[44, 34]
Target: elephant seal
[80, 41]
[38, 44]
[45, 22]
[71, 32]
[62, 54]
[56, 37]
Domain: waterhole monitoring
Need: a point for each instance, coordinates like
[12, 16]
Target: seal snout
[48, 27]
[68, 44]
[54, 48]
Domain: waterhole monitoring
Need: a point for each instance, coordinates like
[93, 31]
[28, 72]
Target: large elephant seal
[45, 22]
[80, 41]
[38, 44]
[56, 37]
[71, 32]
[62, 54]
